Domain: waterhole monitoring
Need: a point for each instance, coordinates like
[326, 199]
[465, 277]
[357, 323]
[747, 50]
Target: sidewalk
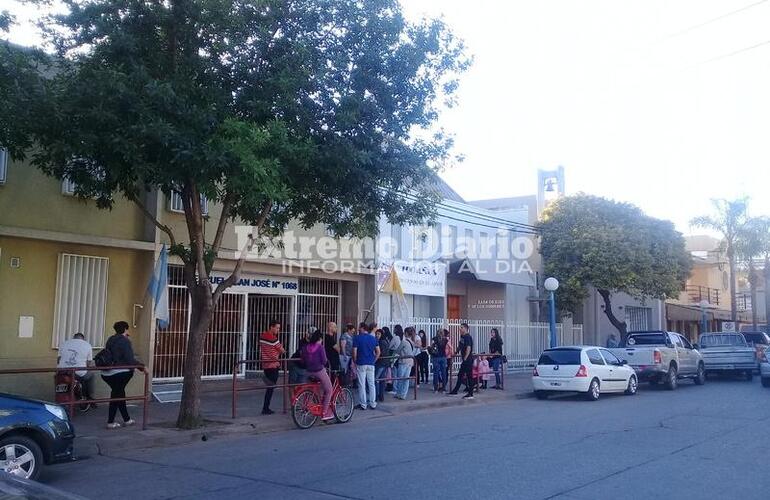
[94, 438]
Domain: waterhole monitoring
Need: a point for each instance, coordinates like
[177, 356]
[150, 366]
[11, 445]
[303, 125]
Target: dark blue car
[32, 434]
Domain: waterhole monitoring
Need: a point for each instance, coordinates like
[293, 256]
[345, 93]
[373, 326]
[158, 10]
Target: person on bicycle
[77, 352]
[314, 357]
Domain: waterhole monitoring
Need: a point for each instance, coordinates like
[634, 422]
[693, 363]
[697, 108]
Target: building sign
[417, 278]
[728, 326]
[250, 283]
[488, 304]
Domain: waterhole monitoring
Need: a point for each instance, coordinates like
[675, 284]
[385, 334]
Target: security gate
[261, 310]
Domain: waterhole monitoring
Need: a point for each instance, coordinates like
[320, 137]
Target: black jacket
[121, 349]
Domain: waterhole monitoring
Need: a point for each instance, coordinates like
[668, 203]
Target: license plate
[62, 388]
[556, 384]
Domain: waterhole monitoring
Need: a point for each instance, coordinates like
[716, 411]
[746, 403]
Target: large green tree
[588, 241]
[728, 219]
[751, 244]
[319, 111]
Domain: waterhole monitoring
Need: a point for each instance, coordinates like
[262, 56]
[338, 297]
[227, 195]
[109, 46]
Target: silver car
[764, 368]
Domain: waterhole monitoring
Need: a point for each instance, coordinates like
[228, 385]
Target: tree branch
[152, 218]
[226, 204]
[619, 325]
[236, 274]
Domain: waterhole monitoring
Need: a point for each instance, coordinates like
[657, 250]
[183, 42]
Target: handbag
[505, 358]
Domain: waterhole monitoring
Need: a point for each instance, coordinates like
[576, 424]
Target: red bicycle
[306, 407]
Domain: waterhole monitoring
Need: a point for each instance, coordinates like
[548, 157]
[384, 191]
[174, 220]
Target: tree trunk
[202, 307]
[753, 277]
[733, 285]
[619, 325]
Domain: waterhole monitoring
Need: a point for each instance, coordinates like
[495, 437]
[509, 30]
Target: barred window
[81, 298]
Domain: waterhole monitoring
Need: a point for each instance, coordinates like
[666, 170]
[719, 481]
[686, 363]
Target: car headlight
[57, 411]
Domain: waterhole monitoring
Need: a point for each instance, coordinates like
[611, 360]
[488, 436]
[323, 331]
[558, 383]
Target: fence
[522, 342]
[73, 401]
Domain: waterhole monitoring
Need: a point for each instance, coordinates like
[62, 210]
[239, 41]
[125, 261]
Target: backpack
[104, 358]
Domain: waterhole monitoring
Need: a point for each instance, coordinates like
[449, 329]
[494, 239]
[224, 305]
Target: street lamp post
[551, 285]
[703, 320]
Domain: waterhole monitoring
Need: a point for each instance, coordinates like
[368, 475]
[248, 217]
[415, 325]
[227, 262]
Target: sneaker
[372, 407]
[326, 418]
[363, 407]
[113, 425]
[129, 422]
[267, 411]
[468, 396]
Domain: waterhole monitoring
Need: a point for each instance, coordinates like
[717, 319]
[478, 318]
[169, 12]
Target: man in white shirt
[77, 352]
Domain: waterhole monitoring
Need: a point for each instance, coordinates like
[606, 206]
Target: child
[477, 372]
[484, 371]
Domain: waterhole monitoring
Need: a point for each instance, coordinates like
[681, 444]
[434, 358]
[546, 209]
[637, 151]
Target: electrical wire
[714, 19]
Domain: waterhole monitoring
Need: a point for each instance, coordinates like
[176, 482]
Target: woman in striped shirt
[270, 350]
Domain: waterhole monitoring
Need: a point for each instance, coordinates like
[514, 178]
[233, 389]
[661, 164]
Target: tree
[613, 247]
[276, 110]
[753, 242]
[728, 219]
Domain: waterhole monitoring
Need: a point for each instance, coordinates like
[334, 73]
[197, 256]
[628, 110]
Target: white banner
[250, 283]
[419, 278]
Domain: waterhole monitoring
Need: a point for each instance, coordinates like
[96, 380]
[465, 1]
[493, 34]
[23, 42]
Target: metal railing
[696, 294]
[70, 405]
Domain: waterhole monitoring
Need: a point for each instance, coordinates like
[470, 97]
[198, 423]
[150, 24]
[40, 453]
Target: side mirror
[695, 346]
[624, 362]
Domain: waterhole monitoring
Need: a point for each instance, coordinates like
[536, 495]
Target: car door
[600, 369]
[686, 358]
[619, 374]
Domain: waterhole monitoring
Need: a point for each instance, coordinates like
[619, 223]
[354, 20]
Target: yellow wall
[30, 291]
[29, 199]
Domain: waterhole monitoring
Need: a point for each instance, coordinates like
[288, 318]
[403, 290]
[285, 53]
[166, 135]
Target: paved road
[698, 442]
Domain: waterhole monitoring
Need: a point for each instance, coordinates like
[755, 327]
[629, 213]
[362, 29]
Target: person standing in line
[395, 344]
[382, 364]
[405, 363]
[346, 352]
[122, 353]
[332, 349]
[77, 352]
[450, 354]
[438, 356]
[466, 365]
[365, 354]
[496, 362]
[314, 357]
[270, 350]
[424, 358]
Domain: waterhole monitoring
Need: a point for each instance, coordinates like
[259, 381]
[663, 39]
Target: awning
[678, 312]
[495, 271]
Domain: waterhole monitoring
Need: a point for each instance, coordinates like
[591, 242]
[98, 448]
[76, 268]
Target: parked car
[588, 370]
[728, 352]
[14, 487]
[662, 357]
[764, 368]
[32, 434]
[760, 341]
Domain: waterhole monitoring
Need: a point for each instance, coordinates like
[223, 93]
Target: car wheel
[593, 390]
[700, 378]
[632, 386]
[541, 395]
[749, 375]
[671, 378]
[21, 456]
[765, 381]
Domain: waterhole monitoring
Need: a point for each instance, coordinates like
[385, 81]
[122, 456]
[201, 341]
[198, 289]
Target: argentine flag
[158, 288]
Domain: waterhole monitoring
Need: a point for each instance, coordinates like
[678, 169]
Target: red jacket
[270, 350]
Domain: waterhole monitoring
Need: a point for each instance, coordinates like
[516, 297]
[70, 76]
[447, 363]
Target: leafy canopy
[612, 246]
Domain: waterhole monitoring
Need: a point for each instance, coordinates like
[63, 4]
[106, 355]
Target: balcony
[696, 294]
[743, 302]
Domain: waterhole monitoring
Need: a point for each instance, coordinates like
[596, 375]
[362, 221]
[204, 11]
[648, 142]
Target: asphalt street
[694, 443]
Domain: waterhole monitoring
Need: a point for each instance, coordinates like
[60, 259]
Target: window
[594, 357]
[3, 164]
[610, 358]
[560, 357]
[81, 298]
[638, 318]
[685, 342]
[68, 187]
[175, 204]
[677, 340]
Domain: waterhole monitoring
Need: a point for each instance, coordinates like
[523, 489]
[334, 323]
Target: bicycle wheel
[301, 409]
[343, 405]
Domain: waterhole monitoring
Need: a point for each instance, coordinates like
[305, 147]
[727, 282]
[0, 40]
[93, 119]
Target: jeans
[402, 386]
[497, 364]
[118, 383]
[366, 382]
[271, 374]
[326, 383]
[439, 373]
[379, 381]
[465, 374]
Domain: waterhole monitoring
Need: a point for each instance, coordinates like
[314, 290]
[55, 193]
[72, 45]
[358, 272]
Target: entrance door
[261, 310]
[453, 306]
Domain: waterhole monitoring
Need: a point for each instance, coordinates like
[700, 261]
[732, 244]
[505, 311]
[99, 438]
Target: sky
[661, 103]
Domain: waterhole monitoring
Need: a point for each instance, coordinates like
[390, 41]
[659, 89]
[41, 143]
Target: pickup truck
[728, 352]
[661, 357]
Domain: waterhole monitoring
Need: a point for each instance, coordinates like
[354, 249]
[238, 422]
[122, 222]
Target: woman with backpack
[437, 352]
[120, 353]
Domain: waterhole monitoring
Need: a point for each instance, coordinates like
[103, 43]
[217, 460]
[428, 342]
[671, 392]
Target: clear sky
[662, 103]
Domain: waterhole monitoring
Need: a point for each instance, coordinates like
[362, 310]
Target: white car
[585, 369]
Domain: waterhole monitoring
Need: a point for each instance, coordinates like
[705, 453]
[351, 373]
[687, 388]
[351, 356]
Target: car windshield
[722, 340]
[560, 357]
[655, 338]
[755, 337]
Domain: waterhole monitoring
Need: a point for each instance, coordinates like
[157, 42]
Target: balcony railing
[698, 293]
[743, 302]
